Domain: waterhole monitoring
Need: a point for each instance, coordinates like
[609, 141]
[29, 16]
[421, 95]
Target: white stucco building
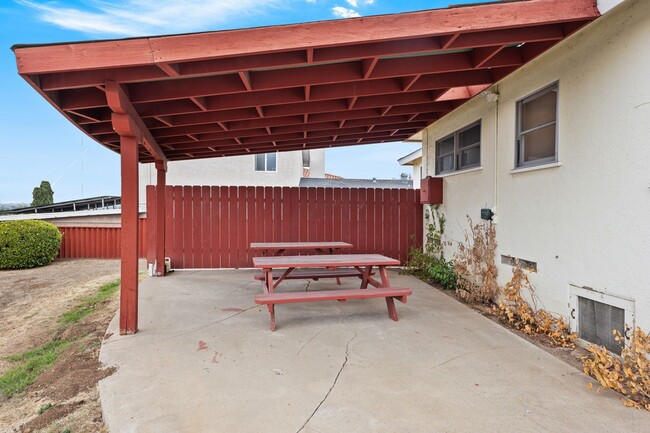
[270, 169]
[560, 151]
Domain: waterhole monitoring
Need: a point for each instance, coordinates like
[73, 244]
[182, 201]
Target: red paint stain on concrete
[202, 346]
[215, 358]
[233, 310]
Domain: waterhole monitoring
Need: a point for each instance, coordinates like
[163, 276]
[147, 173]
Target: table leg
[392, 311]
[267, 283]
[383, 273]
[365, 277]
[272, 312]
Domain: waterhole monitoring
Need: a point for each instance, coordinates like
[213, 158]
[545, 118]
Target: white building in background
[560, 151]
[414, 159]
[270, 169]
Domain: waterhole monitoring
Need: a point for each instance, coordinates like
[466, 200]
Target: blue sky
[37, 143]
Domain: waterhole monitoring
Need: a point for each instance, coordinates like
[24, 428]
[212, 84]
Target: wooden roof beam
[171, 70]
[263, 40]
[123, 112]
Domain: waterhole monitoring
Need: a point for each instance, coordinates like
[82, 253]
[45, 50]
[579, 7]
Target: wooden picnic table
[361, 263]
[278, 248]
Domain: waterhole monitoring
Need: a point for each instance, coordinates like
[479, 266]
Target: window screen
[265, 162]
[260, 162]
[271, 161]
[596, 321]
[460, 150]
[536, 128]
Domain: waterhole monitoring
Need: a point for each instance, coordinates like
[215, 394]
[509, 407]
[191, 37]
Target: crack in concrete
[307, 287]
[312, 337]
[345, 361]
[466, 354]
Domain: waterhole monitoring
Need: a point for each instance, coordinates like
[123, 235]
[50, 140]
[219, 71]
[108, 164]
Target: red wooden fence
[213, 226]
[97, 242]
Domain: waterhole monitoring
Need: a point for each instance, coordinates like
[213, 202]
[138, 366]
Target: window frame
[519, 144]
[266, 162]
[458, 150]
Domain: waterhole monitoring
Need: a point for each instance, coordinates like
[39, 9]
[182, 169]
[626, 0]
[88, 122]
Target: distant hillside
[9, 206]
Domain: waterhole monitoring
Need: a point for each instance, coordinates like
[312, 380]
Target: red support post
[129, 248]
[161, 170]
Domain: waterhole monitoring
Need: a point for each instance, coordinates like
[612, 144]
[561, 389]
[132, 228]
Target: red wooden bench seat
[315, 274]
[390, 293]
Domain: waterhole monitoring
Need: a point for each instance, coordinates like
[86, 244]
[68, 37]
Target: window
[460, 150]
[306, 159]
[265, 162]
[537, 128]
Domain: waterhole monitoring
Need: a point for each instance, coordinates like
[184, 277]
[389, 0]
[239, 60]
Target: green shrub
[26, 244]
[443, 273]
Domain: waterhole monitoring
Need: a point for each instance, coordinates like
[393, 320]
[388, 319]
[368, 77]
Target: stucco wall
[234, 171]
[584, 221]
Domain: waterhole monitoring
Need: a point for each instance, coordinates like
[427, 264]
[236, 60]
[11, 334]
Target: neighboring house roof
[411, 157]
[102, 202]
[356, 183]
[307, 173]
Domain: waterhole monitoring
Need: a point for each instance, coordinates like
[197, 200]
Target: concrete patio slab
[205, 361]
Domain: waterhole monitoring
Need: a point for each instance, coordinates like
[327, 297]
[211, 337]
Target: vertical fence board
[363, 220]
[250, 222]
[285, 216]
[310, 204]
[242, 217]
[224, 212]
[277, 214]
[380, 203]
[337, 221]
[218, 240]
[371, 231]
[303, 214]
[354, 219]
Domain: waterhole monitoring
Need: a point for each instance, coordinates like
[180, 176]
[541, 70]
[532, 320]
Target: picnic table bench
[278, 248]
[361, 263]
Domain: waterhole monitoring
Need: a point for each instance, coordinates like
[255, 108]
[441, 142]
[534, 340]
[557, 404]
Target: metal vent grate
[596, 322]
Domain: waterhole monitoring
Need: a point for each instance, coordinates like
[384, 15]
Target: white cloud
[341, 12]
[141, 17]
[353, 3]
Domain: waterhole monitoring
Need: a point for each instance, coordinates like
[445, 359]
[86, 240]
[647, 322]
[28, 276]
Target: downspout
[496, 153]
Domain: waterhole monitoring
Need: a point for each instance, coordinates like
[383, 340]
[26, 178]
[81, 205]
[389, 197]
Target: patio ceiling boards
[315, 85]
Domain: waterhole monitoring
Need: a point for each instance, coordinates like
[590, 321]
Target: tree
[43, 195]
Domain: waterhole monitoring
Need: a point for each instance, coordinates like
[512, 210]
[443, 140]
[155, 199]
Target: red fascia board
[213, 45]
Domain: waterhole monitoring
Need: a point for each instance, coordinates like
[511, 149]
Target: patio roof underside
[315, 85]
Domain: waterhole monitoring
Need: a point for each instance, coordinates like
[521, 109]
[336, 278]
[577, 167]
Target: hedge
[26, 244]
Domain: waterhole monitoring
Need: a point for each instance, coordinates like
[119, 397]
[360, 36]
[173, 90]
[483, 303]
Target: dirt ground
[31, 302]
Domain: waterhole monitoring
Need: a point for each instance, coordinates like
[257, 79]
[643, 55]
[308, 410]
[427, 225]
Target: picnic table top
[298, 245]
[324, 260]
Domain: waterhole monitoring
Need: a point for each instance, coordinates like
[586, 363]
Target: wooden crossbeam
[119, 103]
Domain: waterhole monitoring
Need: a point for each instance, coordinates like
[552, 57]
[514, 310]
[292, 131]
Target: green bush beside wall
[26, 244]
